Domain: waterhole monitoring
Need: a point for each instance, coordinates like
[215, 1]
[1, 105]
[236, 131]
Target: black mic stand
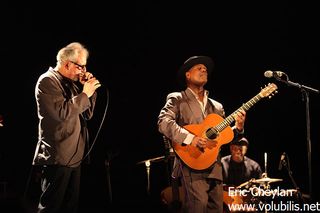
[287, 166]
[305, 97]
[110, 156]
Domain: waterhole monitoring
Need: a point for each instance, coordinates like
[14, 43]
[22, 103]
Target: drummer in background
[238, 168]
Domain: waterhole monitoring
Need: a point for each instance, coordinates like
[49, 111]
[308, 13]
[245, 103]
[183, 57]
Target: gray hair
[71, 52]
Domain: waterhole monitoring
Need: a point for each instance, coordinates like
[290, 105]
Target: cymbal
[156, 159]
[266, 180]
[245, 184]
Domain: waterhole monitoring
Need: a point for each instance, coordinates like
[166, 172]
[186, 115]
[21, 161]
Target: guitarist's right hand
[199, 142]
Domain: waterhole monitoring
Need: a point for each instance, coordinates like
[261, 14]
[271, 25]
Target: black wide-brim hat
[190, 62]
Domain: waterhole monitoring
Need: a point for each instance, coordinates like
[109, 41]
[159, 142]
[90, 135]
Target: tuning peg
[272, 94]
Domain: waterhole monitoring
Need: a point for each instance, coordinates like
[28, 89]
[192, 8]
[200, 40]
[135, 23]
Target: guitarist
[203, 189]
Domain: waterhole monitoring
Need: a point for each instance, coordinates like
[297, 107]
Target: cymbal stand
[265, 164]
[265, 174]
[148, 164]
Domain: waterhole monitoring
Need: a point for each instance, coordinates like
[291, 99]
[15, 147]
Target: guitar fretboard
[230, 119]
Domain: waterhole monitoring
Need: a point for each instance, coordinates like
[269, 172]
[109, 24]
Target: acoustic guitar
[218, 131]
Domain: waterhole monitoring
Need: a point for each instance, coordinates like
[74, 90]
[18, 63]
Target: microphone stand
[287, 166]
[107, 163]
[305, 97]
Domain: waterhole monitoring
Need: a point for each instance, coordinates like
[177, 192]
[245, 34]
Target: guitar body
[198, 159]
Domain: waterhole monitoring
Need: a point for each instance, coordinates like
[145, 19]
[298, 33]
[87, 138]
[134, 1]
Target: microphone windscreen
[268, 74]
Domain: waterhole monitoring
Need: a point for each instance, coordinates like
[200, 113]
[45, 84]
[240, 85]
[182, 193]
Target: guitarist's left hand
[240, 118]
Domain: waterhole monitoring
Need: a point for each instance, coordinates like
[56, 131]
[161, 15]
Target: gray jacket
[62, 111]
[180, 109]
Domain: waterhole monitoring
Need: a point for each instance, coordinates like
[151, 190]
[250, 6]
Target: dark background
[135, 51]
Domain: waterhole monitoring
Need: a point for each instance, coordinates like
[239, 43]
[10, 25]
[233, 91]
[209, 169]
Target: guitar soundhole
[211, 133]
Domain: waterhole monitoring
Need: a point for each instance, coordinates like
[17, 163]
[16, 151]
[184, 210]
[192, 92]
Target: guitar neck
[230, 119]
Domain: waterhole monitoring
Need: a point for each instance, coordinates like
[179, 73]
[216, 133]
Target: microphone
[276, 74]
[86, 78]
[281, 160]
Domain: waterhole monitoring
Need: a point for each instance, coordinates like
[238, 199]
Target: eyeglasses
[83, 67]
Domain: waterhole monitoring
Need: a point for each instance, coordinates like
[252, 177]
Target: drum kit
[252, 192]
[255, 192]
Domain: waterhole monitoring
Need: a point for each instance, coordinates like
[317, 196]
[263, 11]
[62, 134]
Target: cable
[28, 184]
[99, 129]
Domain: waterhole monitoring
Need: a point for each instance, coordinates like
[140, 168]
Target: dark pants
[60, 189]
[203, 195]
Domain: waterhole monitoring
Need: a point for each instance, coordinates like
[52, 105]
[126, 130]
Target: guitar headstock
[269, 90]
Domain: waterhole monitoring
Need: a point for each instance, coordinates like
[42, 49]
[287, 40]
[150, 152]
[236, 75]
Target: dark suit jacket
[62, 112]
